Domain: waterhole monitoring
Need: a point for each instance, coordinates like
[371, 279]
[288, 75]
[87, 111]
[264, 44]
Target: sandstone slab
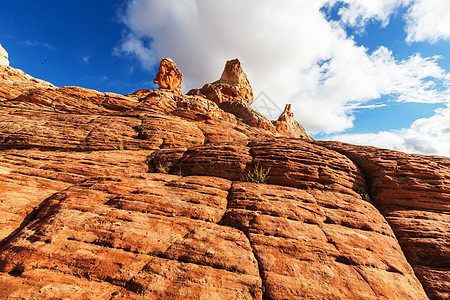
[413, 193]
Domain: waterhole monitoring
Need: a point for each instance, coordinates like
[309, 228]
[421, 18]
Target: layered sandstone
[234, 94]
[413, 193]
[146, 196]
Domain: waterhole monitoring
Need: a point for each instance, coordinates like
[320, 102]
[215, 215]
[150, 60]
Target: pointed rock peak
[286, 125]
[287, 113]
[169, 77]
[3, 57]
[234, 74]
[233, 86]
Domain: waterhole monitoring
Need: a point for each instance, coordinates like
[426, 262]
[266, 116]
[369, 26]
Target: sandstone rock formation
[3, 57]
[143, 196]
[233, 86]
[169, 77]
[413, 193]
[288, 126]
[14, 82]
[234, 94]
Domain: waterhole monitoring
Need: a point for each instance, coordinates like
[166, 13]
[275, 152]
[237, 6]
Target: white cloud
[358, 13]
[132, 45]
[428, 20]
[291, 52]
[425, 136]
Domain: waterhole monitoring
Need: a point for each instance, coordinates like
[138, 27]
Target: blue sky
[366, 72]
[70, 42]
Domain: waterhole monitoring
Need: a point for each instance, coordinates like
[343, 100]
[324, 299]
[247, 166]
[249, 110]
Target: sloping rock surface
[413, 193]
[143, 196]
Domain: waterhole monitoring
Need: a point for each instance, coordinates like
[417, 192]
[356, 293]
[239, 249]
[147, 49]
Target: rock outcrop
[147, 196]
[234, 94]
[233, 86]
[4, 61]
[288, 126]
[169, 77]
[413, 193]
[15, 82]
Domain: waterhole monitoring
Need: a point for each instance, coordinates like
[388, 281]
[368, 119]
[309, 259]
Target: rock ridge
[147, 196]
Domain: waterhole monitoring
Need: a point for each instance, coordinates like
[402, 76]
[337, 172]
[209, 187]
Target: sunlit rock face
[159, 195]
[233, 86]
[3, 57]
[169, 77]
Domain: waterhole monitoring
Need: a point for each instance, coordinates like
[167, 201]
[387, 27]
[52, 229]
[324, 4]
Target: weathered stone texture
[413, 193]
[144, 196]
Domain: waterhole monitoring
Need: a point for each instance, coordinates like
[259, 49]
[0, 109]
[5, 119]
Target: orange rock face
[234, 94]
[413, 193]
[148, 196]
[288, 126]
[169, 77]
[232, 86]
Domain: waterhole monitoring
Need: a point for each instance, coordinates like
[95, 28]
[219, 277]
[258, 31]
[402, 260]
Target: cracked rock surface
[143, 196]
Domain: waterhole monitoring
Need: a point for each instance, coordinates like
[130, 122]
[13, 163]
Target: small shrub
[257, 175]
[363, 193]
[180, 173]
[163, 169]
[140, 129]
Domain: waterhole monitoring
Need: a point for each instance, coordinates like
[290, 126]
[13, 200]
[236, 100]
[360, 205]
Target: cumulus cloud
[132, 45]
[425, 136]
[357, 13]
[290, 51]
[428, 20]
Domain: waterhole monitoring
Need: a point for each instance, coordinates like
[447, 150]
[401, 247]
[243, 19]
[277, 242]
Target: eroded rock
[413, 193]
[169, 77]
[3, 57]
[179, 221]
[289, 127]
[232, 86]
[156, 235]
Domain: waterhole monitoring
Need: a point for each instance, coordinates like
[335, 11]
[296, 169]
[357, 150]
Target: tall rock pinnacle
[233, 86]
[3, 57]
[169, 77]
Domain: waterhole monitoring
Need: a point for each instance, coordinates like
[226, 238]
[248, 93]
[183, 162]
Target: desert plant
[257, 175]
[140, 129]
[180, 173]
[163, 169]
[363, 193]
